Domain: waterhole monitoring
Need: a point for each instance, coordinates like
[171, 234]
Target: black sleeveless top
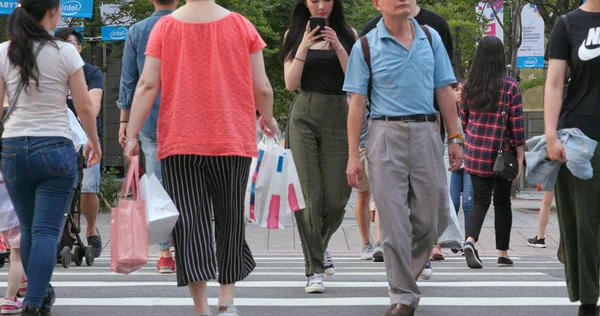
[322, 73]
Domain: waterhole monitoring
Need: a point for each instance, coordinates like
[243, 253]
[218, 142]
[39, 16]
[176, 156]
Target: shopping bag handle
[271, 141]
[132, 180]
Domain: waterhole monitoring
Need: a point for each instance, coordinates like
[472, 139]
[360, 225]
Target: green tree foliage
[271, 18]
[466, 30]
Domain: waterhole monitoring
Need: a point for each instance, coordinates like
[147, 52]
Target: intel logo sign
[530, 62]
[118, 33]
[70, 7]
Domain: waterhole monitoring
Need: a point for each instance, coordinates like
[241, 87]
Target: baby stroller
[70, 246]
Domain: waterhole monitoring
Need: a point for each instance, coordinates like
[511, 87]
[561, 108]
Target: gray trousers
[408, 181]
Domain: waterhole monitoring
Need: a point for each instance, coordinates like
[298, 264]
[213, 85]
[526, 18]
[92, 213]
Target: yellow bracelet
[456, 135]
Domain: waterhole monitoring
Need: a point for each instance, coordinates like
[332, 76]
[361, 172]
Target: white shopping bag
[295, 197]
[79, 136]
[161, 213]
[452, 237]
[267, 202]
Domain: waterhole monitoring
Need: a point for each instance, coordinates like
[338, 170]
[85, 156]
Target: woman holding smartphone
[315, 60]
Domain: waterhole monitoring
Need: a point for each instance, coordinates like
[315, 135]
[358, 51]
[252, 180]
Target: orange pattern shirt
[207, 103]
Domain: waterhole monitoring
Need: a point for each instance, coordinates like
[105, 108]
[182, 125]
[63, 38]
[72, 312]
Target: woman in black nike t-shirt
[575, 45]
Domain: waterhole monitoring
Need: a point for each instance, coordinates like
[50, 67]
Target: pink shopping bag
[128, 230]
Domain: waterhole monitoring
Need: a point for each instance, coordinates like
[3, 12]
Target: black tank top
[322, 73]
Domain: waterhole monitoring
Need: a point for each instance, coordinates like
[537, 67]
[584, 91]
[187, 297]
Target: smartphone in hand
[317, 21]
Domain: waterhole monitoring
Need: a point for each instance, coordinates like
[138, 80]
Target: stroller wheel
[77, 256]
[89, 256]
[2, 261]
[66, 257]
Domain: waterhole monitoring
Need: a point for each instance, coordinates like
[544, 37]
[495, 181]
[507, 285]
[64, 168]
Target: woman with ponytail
[39, 162]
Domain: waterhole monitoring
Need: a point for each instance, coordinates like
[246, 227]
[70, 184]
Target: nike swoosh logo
[586, 54]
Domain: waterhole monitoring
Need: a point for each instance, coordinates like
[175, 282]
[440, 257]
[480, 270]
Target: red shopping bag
[128, 230]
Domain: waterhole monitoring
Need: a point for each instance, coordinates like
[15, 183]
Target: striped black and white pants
[199, 186]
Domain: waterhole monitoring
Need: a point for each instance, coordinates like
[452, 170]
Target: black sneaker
[472, 256]
[96, 243]
[30, 311]
[536, 243]
[48, 301]
[588, 310]
[505, 262]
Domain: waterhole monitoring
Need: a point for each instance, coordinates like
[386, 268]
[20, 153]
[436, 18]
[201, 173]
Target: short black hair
[165, 2]
[458, 81]
[64, 33]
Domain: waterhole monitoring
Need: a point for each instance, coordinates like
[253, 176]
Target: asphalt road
[534, 286]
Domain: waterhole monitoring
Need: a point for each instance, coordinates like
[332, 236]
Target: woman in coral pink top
[209, 66]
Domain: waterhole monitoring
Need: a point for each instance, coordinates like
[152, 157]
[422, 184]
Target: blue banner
[70, 8]
[77, 8]
[113, 33]
[530, 62]
[7, 6]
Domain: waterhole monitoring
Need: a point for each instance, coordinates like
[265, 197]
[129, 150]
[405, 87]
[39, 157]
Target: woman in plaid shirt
[486, 91]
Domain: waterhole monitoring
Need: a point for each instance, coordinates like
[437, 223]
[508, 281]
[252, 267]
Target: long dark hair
[485, 79]
[23, 30]
[299, 18]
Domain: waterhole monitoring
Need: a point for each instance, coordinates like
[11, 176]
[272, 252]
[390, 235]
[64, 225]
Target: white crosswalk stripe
[359, 288]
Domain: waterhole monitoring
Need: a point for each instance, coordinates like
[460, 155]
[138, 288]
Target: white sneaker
[427, 272]
[328, 263]
[315, 284]
[228, 310]
[367, 252]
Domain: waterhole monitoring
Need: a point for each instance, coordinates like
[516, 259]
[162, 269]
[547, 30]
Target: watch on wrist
[456, 141]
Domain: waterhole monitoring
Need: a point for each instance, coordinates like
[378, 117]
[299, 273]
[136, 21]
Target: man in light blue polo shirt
[404, 149]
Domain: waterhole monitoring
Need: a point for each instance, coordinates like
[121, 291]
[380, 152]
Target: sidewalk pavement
[347, 239]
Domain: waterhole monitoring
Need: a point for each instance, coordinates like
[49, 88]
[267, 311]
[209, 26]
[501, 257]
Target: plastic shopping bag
[268, 194]
[128, 231]
[452, 237]
[79, 136]
[161, 213]
[295, 197]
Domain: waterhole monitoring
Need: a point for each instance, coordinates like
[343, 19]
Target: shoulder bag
[506, 165]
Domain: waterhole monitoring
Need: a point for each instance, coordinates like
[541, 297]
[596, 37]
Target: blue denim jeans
[458, 178]
[39, 173]
[150, 148]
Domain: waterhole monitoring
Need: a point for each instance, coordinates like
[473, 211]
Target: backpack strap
[565, 20]
[428, 33]
[364, 42]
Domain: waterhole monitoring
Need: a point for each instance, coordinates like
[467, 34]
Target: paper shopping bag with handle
[128, 230]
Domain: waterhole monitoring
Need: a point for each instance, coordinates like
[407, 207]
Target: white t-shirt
[41, 112]
[8, 217]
